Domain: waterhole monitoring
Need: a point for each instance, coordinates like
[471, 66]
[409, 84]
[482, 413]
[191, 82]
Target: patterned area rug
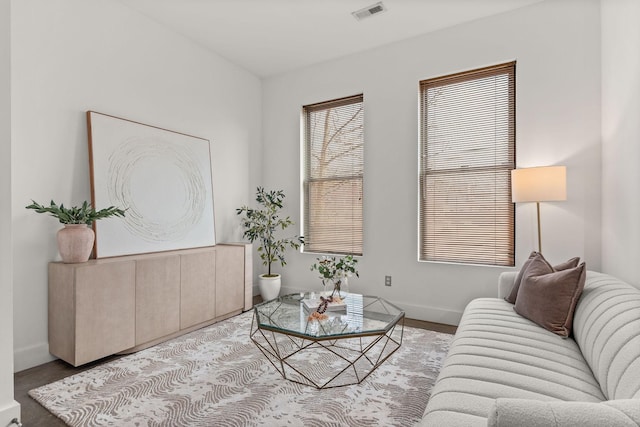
[216, 376]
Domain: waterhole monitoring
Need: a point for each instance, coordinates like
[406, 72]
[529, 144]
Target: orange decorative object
[317, 316]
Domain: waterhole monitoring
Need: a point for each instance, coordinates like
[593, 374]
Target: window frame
[506, 257]
[334, 247]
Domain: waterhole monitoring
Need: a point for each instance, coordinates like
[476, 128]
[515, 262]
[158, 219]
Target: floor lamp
[541, 184]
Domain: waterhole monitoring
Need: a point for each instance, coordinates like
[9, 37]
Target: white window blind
[467, 150]
[333, 175]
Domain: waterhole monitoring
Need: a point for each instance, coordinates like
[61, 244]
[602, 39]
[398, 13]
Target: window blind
[467, 150]
[333, 176]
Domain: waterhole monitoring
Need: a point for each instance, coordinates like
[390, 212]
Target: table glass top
[359, 315]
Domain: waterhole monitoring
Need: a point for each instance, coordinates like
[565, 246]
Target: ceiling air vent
[369, 11]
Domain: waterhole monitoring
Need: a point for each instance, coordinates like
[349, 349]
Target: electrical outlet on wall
[387, 280]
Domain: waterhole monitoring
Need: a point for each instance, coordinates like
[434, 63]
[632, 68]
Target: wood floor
[35, 415]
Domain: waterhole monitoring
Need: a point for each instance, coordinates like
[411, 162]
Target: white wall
[9, 409]
[621, 139]
[70, 56]
[555, 44]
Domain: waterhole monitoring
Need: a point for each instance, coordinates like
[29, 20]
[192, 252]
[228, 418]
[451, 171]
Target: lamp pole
[539, 232]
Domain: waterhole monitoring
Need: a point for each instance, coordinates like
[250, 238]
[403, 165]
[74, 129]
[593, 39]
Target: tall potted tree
[261, 225]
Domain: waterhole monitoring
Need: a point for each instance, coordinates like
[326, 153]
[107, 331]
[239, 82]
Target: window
[467, 150]
[333, 172]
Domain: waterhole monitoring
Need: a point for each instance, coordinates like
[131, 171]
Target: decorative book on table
[313, 303]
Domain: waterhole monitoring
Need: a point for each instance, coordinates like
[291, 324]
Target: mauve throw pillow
[549, 299]
[572, 263]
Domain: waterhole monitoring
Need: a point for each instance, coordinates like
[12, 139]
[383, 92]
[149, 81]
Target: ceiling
[268, 37]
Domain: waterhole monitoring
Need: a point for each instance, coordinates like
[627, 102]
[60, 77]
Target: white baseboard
[431, 314]
[418, 312]
[28, 357]
[9, 412]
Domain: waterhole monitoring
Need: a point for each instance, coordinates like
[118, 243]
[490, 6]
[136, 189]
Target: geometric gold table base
[327, 362]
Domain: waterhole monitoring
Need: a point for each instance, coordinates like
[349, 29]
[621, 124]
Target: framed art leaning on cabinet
[162, 178]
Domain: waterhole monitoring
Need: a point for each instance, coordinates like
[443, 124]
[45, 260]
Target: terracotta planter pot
[75, 242]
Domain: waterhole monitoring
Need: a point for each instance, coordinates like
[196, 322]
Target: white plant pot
[269, 286]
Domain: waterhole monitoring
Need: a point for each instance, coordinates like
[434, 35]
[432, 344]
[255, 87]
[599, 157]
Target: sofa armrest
[505, 283]
[533, 413]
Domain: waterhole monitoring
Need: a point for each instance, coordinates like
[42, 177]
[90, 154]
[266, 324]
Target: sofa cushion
[606, 326]
[533, 413]
[498, 353]
[549, 297]
[571, 263]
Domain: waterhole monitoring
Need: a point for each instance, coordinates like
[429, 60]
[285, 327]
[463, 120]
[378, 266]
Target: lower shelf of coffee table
[327, 363]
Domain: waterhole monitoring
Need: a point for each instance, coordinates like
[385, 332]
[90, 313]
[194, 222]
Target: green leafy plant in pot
[261, 225]
[75, 240]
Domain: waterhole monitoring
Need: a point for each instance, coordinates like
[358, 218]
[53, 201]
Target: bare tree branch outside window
[334, 152]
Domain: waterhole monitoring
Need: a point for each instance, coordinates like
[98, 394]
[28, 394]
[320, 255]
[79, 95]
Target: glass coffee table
[343, 349]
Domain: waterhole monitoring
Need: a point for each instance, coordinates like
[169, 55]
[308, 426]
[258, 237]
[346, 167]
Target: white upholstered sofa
[504, 370]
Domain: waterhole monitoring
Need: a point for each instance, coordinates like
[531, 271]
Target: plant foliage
[83, 214]
[335, 269]
[261, 225]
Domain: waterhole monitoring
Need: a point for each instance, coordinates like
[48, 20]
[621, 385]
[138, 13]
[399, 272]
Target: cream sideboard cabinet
[124, 304]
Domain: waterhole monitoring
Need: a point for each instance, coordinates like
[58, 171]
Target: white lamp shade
[541, 184]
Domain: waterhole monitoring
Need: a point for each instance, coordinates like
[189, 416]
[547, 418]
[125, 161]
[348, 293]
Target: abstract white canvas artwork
[163, 180]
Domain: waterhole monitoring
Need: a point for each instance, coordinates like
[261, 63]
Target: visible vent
[369, 11]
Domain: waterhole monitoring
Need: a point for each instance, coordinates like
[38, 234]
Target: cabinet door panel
[157, 298]
[230, 278]
[197, 288]
[105, 310]
[62, 312]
